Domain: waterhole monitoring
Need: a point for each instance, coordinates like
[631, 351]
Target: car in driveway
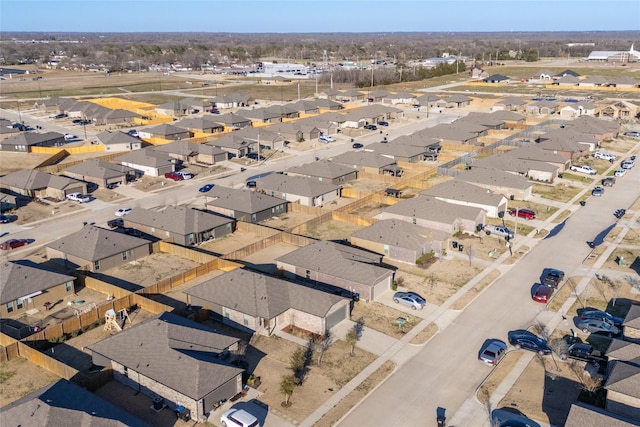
[597, 191]
[522, 213]
[584, 169]
[78, 197]
[134, 133]
[357, 145]
[4, 219]
[601, 315]
[206, 188]
[255, 156]
[411, 299]
[633, 134]
[604, 156]
[383, 123]
[326, 139]
[371, 127]
[542, 293]
[597, 326]
[123, 211]
[584, 352]
[185, 175]
[174, 176]
[552, 277]
[498, 230]
[491, 353]
[235, 417]
[620, 172]
[521, 338]
[115, 223]
[13, 243]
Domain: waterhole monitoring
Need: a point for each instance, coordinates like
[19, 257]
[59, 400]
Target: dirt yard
[152, 269]
[19, 377]
[12, 162]
[232, 242]
[37, 211]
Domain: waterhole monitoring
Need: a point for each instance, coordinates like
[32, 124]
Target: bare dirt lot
[232, 242]
[41, 210]
[12, 162]
[19, 377]
[152, 269]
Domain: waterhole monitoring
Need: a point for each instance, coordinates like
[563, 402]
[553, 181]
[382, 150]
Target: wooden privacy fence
[8, 348]
[49, 363]
[309, 210]
[184, 252]
[312, 223]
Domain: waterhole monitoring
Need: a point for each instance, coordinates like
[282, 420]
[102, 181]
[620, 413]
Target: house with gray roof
[577, 109]
[398, 151]
[535, 170]
[264, 137]
[542, 108]
[101, 173]
[457, 101]
[263, 304]
[306, 129]
[377, 95]
[632, 324]
[351, 95]
[428, 101]
[232, 100]
[186, 226]
[594, 81]
[118, 116]
[173, 358]
[623, 389]
[244, 205]
[538, 155]
[400, 240]
[599, 128]
[369, 162]
[329, 93]
[118, 141]
[97, 249]
[40, 185]
[66, 403]
[569, 142]
[24, 141]
[341, 266]
[204, 124]
[262, 115]
[450, 133]
[236, 145]
[496, 78]
[233, 121]
[510, 104]
[25, 286]
[432, 213]
[567, 80]
[464, 194]
[583, 415]
[400, 98]
[498, 181]
[164, 131]
[173, 108]
[626, 82]
[193, 153]
[148, 162]
[299, 189]
[625, 351]
[325, 171]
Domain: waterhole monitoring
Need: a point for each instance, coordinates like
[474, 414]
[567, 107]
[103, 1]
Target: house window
[124, 255]
[126, 371]
[96, 265]
[227, 312]
[67, 286]
[167, 234]
[153, 231]
[9, 307]
[19, 303]
[245, 320]
[307, 274]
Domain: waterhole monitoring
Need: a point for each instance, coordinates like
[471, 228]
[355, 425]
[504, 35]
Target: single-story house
[101, 173]
[119, 141]
[325, 171]
[175, 359]
[23, 141]
[631, 324]
[577, 109]
[263, 304]
[496, 78]
[623, 393]
[582, 415]
[510, 104]
[26, 286]
[342, 266]
[535, 170]
[148, 162]
[464, 194]
[399, 240]
[509, 184]
[244, 205]
[193, 153]
[538, 155]
[542, 108]
[625, 351]
[457, 101]
[204, 124]
[369, 162]
[40, 185]
[166, 131]
[399, 151]
[97, 249]
[299, 189]
[186, 226]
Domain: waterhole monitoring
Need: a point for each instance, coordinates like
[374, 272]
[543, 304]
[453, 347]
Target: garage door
[337, 317]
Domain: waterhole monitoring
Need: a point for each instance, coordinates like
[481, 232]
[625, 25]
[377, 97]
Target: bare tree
[470, 251]
[352, 339]
[321, 344]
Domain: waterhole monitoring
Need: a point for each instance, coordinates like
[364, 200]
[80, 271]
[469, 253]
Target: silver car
[413, 300]
[491, 353]
[595, 326]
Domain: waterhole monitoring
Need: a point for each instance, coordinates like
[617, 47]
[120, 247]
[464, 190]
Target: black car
[60, 116]
[115, 223]
[521, 338]
[552, 278]
[585, 352]
[4, 219]
[371, 127]
[357, 145]
[383, 123]
[255, 156]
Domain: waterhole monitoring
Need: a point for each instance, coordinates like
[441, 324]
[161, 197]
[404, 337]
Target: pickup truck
[498, 230]
[585, 352]
[584, 169]
[78, 197]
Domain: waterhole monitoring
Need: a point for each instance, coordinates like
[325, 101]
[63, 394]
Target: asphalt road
[446, 372]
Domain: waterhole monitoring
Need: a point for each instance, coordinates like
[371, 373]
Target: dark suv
[523, 213]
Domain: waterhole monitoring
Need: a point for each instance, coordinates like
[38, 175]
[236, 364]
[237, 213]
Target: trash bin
[460, 248]
[582, 203]
[158, 403]
[454, 244]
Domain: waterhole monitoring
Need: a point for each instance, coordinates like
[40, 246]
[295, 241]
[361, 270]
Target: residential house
[450, 133]
[351, 95]
[569, 142]
[24, 141]
[263, 304]
[193, 153]
[244, 205]
[114, 117]
[399, 151]
[97, 249]
[457, 101]
[464, 194]
[66, 403]
[233, 121]
[400, 240]
[618, 110]
[26, 286]
[325, 171]
[204, 125]
[631, 324]
[173, 109]
[7, 129]
[477, 73]
[624, 351]
[535, 170]
[232, 100]
[623, 392]
[508, 184]
[510, 104]
[324, 262]
[583, 415]
[299, 189]
[119, 141]
[400, 98]
[544, 75]
[542, 108]
[624, 82]
[329, 93]
[101, 173]
[260, 138]
[568, 80]
[148, 162]
[175, 359]
[166, 131]
[577, 109]
[428, 101]
[369, 162]
[40, 185]
[234, 145]
[184, 226]
[300, 130]
[496, 78]
[377, 95]
[593, 81]
[262, 115]
[601, 129]
[539, 155]
[432, 213]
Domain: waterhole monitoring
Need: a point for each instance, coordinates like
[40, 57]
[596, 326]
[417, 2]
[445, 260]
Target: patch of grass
[562, 216]
[470, 295]
[559, 192]
[425, 334]
[383, 318]
[560, 296]
[5, 374]
[586, 179]
[497, 375]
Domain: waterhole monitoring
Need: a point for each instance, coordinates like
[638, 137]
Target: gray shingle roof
[174, 351]
[537, 154]
[177, 219]
[464, 192]
[146, 157]
[481, 176]
[241, 200]
[509, 163]
[432, 209]
[31, 138]
[166, 129]
[93, 243]
[322, 169]
[64, 403]
[394, 232]
[31, 179]
[623, 378]
[263, 296]
[22, 278]
[117, 137]
[582, 415]
[357, 159]
[339, 261]
[633, 317]
[99, 169]
[624, 350]
[296, 185]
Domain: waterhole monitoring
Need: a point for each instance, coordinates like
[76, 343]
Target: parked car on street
[597, 326]
[206, 188]
[413, 300]
[383, 123]
[13, 243]
[498, 230]
[543, 293]
[597, 191]
[79, 197]
[608, 181]
[620, 172]
[552, 277]
[633, 134]
[357, 145]
[584, 169]
[123, 211]
[601, 315]
[492, 353]
[521, 338]
[523, 213]
[627, 164]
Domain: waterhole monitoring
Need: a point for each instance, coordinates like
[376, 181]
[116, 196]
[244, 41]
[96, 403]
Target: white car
[628, 164]
[123, 211]
[584, 169]
[326, 139]
[604, 156]
[238, 418]
[185, 175]
[78, 197]
[620, 172]
[68, 136]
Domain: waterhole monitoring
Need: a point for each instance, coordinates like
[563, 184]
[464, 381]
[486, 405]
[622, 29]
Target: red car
[543, 293]
[13, 243]
[174, 176]
[523, 213]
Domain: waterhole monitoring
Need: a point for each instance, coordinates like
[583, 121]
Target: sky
[318, 16]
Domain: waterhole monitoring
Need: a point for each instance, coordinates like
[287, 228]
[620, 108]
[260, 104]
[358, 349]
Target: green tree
[287, 386]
